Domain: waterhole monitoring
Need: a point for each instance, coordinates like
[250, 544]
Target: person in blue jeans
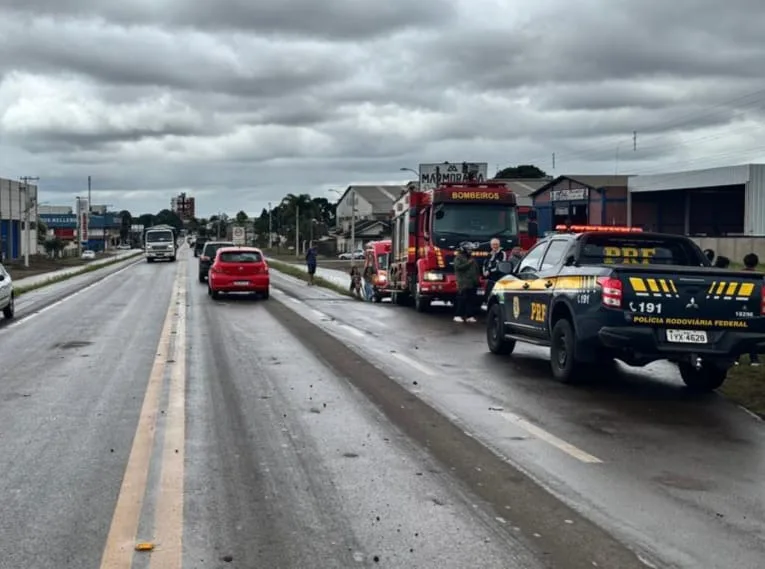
[310, 261]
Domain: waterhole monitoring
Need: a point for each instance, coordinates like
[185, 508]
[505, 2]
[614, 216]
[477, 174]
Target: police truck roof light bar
[608, 228]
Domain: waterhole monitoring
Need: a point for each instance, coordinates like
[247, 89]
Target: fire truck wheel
[495, 332]
[421, 303]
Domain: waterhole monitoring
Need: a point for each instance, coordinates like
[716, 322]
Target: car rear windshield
[241, 257]
[611, 249]
[212, 248]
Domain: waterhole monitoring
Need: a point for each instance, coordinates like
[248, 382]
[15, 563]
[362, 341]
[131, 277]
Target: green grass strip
[19, 290]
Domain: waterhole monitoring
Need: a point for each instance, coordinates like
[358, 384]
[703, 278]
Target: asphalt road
[677, 477]
[313, 431]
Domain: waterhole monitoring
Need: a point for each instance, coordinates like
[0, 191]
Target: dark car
[207, 257]
[199, 244]
[595, 294]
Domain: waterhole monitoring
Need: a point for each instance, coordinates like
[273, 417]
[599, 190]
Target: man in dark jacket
[467, 272]
[491, 266]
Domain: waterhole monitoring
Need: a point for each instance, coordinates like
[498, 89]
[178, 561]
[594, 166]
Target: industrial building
[184, 206]
[17, 201]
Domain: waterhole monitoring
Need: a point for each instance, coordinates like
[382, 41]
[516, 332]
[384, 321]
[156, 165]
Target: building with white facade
[18, 202]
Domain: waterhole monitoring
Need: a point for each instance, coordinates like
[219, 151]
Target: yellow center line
[119, 548]
[168, 524]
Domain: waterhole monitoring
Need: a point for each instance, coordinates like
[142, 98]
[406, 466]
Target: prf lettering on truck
[628, 255]
[475, 196]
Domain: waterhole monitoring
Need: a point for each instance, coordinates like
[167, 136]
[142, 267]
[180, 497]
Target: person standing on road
[491, 270]
[750, 264]
[369, 289]
[310, 261]
[466, 270]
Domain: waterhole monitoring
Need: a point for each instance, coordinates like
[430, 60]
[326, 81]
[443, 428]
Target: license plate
[687, 336]
[480, 292]
[241, 283]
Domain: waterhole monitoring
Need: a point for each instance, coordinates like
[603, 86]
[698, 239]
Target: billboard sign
[82, 219]
[433, 175]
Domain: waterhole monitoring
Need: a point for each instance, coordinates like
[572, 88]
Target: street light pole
[353, 228]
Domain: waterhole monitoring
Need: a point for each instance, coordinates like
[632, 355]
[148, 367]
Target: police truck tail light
[611, 291]
[762, 301]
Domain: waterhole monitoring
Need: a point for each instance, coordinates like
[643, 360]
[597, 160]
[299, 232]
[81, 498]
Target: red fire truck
[528, 233]
[429, 226]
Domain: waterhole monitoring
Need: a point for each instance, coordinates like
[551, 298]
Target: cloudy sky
[239, 102]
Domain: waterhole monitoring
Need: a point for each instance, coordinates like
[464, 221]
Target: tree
[521, 171]
[242, 218]
[53, 247]
[167, 217]
[325, 210]
[42, 231]
[126, 223]
[146, 219]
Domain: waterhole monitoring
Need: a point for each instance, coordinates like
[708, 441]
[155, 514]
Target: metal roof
[592, 181]
[523, 188]
[381, 198]
[693, 179]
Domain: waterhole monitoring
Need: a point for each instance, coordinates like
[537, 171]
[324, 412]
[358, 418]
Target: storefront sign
[570, 195]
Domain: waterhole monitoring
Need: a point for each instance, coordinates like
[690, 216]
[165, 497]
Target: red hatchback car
[239, 269]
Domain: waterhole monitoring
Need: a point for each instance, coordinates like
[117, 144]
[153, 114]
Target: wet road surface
[314, 431]
[676, 476]
[139, 412]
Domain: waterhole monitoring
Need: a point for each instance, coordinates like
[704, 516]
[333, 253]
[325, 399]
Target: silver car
[7, 299]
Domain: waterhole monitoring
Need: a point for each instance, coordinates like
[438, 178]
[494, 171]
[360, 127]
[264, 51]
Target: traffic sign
[239, 236]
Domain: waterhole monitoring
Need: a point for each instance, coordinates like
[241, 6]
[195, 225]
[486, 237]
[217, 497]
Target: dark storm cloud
[331, 19]
[143, 57]
[615, 39]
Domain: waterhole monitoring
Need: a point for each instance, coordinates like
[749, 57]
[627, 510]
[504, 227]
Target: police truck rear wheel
[563, 352]
[495, 332]
[708, 378]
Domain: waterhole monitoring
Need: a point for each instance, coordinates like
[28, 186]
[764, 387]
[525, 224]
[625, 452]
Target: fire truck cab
[376, 257]
[428, 226]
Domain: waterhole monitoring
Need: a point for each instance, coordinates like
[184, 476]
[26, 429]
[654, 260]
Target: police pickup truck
[594, 294]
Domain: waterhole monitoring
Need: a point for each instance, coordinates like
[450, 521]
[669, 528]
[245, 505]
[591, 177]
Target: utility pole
[553, 161]
[634, 140]
[28, 204]
[90, 201]
[297, 231]
[270, 227]
[353, 228]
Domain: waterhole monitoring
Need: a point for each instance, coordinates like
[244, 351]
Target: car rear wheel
[201, 278]
[563, 362]
[708, 378]
[495, 332]
[265, 295]
[10, 310]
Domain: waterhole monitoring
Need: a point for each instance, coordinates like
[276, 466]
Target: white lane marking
[296, 301]
[550, 439]
[27, 318]
[413, 363]
[319, 313]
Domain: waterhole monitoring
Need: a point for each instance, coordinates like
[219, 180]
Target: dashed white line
[413, 363]
[551, 439]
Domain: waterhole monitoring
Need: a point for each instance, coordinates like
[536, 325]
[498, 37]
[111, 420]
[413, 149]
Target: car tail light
[611, 291]
[762, 301]
[214, 269]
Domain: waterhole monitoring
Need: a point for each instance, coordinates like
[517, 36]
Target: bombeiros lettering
[476, 196]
